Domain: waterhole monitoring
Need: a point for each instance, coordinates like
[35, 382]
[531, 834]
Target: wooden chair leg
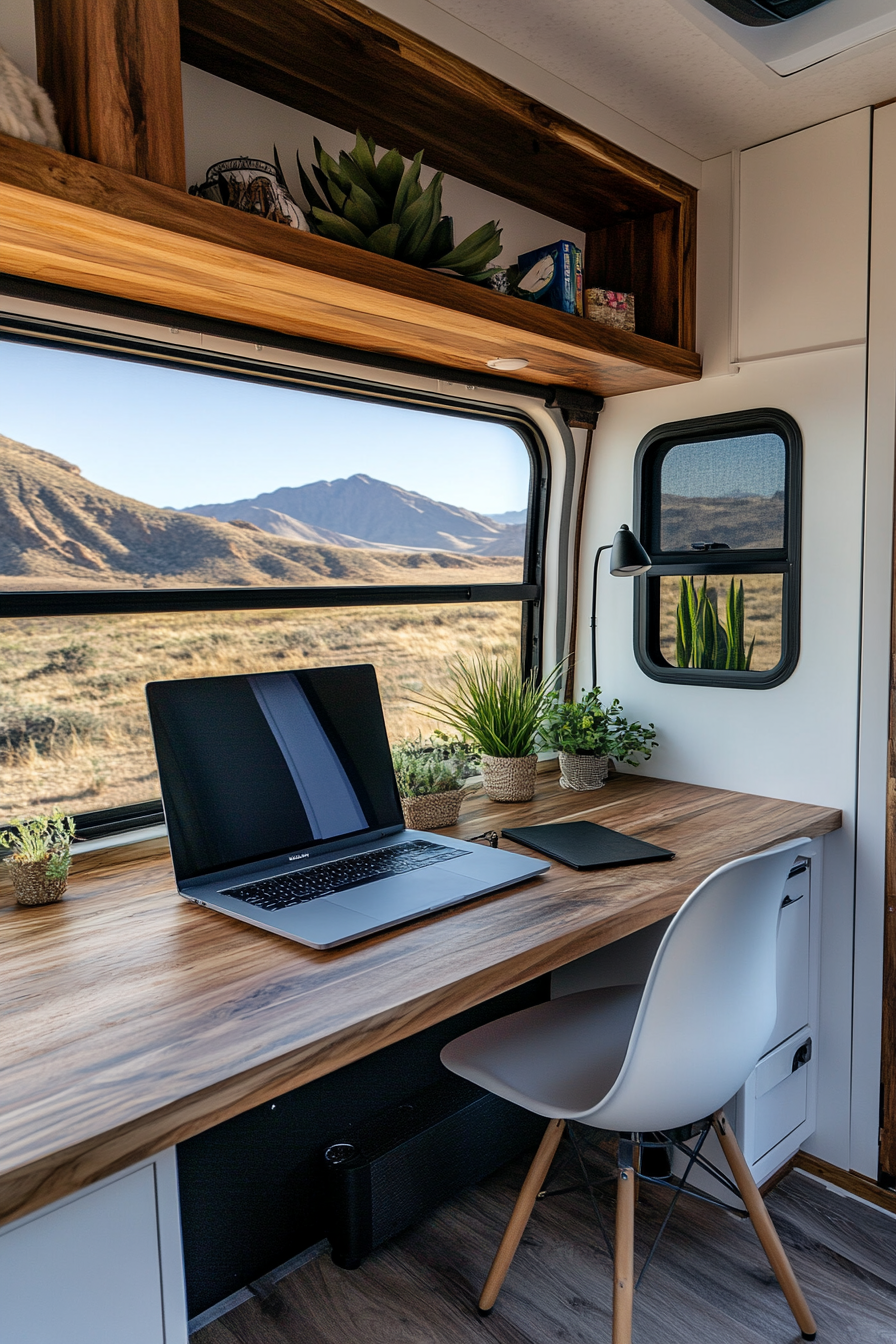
[765, 1228]
[624, 1248]
[522, 1209]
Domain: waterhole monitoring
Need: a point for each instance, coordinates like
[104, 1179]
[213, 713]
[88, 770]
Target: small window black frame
[783, 560]
[45, 331]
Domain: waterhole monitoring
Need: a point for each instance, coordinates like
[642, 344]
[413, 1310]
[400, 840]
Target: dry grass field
[73, 724]
[762, 616]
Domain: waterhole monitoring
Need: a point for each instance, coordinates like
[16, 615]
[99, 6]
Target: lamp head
[628, 556]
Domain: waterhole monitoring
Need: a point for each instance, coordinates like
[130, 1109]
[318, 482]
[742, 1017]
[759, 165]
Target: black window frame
[784, 560]
[53, 333]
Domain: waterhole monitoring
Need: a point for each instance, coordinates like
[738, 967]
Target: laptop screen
[256, 767]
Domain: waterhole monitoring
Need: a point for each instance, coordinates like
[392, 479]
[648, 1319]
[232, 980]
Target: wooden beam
[112, 69]
[342, 62]
[70, 222]
[887, 1156]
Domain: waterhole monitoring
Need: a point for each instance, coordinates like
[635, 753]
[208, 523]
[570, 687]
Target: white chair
[646, 1060]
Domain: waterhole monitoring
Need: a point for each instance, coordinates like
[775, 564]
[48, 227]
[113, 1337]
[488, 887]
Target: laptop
[283, 811]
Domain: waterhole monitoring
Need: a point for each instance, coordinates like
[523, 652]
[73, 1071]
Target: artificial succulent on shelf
[381, 206]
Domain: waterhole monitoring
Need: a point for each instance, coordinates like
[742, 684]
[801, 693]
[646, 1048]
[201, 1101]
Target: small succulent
[382, 207]
[436, 764]
[42, 839]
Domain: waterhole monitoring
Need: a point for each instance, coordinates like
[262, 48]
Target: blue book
[548, 276]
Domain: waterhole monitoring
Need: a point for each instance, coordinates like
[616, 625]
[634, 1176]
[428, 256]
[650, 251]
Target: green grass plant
[492, 704]
[42, 838]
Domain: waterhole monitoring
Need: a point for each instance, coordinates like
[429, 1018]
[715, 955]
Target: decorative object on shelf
[383, 208]
[430, 774]
[611, 308]
[701, 638]
[629, 559]
[587, 737]
[547, 275]
[498, 709]
[40, 857]
[25, 109]
[254, 186]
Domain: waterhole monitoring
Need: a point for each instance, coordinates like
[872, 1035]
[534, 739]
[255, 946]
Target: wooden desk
[132, 1020]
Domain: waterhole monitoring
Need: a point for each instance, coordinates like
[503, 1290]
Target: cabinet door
[87, 1271]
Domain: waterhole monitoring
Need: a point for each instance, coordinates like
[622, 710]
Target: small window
[717, 502]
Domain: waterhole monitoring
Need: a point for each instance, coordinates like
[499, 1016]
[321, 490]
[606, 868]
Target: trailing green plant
[585, 728]
[42, 838]
[701, 638]
[492, 704]
[382, 207]
[436, 764]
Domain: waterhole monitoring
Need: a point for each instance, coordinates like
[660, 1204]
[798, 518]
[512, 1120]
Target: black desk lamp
[628, 559]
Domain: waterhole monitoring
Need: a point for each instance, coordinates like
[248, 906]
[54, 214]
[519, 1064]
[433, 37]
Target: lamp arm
[599, 552]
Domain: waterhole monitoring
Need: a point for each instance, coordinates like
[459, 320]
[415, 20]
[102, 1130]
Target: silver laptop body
[283, 811]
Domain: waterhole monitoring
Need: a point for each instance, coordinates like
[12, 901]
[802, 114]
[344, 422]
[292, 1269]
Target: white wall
[797, 740]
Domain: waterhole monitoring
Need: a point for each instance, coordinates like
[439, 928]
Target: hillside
[59, 529]
[361, 510]
[750, 521]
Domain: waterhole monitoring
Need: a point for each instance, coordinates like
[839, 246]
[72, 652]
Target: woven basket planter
[582, 773]
[432, 811]
[509, 779]
[32, 886]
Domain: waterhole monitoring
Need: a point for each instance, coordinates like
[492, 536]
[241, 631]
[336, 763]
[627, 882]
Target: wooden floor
[709, 1283]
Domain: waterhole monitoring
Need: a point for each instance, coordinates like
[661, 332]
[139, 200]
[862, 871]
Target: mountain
[511, 517]
[362, 510]
[59, 529]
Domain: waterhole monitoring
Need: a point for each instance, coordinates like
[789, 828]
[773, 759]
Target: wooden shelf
[71, 222]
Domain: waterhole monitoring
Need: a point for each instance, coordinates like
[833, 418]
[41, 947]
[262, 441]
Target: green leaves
[701, 639]
[41, 838]
[492, 705]
[585, 728]
[434, 764]
[382, 207]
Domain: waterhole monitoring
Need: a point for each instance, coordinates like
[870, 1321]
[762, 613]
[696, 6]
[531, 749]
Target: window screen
[718, 507]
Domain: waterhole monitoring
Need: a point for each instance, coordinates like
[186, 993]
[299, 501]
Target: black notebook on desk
[584, 844]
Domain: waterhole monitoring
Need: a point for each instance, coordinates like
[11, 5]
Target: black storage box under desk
[385, 1174]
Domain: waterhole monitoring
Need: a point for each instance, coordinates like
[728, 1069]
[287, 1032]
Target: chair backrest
[710, 1001]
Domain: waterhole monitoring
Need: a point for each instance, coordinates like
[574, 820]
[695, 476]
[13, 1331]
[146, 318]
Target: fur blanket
[25, 110]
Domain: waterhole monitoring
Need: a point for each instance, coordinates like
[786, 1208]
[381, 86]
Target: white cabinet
[101, 1267]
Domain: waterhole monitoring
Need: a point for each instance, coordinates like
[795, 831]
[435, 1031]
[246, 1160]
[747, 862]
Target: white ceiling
[665, 66]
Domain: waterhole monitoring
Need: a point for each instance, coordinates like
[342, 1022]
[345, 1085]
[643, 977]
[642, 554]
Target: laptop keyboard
[276, 893]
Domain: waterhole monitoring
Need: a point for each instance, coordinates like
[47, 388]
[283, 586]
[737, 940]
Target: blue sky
[174, 438]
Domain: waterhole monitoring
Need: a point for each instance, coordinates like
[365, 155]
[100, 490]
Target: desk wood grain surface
[131, 1019]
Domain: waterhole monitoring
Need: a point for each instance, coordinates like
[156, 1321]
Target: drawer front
[781, 1093]
[793, 967]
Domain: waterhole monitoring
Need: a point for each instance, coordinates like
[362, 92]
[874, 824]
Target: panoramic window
[160, 522]
[718, 506]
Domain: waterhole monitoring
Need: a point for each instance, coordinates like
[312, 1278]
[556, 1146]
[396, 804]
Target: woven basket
[509, 779]
[582, 773]
[31, 884]
[432, 811]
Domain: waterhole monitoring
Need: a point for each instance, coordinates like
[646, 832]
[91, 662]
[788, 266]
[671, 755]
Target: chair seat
[556, 1059]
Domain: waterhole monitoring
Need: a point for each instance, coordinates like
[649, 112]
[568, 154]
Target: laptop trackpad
[407, 894]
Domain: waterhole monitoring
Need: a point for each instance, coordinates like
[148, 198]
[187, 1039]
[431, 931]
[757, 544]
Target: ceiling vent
[790, 35]
[762, 13]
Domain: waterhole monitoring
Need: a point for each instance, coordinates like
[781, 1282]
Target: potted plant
[587, 736]
[430, 773]
[40, 857]
[498, 709]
